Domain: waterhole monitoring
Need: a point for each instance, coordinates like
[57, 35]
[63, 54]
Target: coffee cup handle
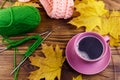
[106, 38]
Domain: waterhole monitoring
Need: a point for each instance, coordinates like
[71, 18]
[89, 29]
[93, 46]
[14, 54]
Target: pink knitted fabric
[58, 9]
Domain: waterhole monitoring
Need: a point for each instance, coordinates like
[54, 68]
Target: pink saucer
[81, 66]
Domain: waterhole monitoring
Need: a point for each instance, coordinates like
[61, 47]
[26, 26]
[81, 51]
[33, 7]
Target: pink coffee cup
[90, 46]
[88, 53]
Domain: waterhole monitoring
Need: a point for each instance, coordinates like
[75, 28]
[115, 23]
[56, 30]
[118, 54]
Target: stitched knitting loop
[18, 20]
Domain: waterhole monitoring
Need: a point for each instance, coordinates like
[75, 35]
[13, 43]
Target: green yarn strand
[18, 20]
[22, 41]
[16, 72]
[33, 47]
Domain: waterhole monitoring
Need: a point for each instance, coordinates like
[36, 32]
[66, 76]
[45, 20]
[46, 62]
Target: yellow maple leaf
[114, 42]
[82, 1]
[50, 65]
[91, 8]
[90, 14]
[105, 28]
[26, 4]
[114, 23]
[79, 77]
[86, 22]
[95, 17]
[111, 26]
[77, 2]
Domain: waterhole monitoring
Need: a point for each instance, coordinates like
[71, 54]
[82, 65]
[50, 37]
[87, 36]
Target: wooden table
[62, 32]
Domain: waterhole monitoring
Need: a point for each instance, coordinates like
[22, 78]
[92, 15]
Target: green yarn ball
[18, 20]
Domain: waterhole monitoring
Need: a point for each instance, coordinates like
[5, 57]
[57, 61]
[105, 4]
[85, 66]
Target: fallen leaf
[26, 4]
[90, 14]
[77, 2]
[82, 1]
[50, 65]
[114, 42]
[111, 26]
[86, 22]
[114, 23]
[79, 77]
[94, 17]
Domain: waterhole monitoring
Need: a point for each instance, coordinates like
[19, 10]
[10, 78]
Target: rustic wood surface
[61, 34]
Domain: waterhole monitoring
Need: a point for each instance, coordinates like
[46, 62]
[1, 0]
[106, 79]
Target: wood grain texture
[61, 34]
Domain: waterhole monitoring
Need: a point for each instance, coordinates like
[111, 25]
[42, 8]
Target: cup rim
[80, 36]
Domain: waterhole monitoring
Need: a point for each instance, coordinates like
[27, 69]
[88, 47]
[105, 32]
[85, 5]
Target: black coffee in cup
[90, 47]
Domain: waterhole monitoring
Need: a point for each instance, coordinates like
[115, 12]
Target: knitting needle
[39, 34]
[28, 56]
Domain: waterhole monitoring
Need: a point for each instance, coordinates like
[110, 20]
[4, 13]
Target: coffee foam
[84, 55]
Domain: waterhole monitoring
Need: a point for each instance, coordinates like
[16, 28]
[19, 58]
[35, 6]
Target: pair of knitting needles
[31, 49]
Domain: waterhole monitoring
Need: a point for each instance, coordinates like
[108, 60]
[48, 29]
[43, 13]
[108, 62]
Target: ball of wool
[18, 20]
[58, 9]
